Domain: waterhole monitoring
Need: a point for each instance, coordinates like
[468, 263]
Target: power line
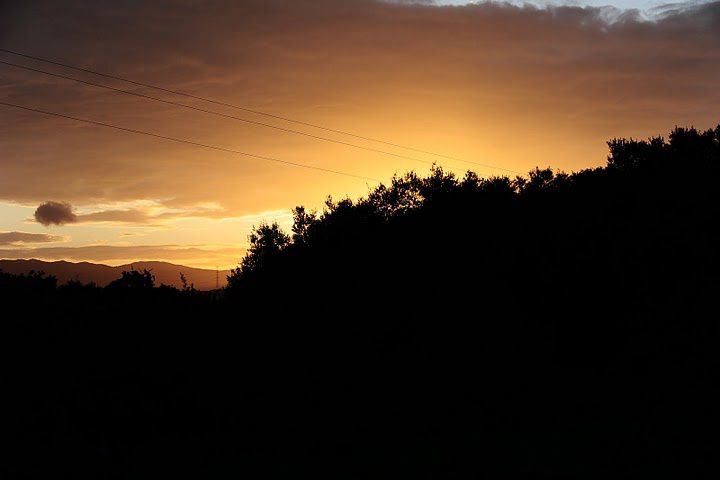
[187, 142]
[211, 112]
[257, 112]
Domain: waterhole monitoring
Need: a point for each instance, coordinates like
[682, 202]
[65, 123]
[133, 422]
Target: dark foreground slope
[561, 326]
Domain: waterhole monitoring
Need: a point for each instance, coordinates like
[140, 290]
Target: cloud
[20, 238]
[116, 216]
[55, 213]
[150, 214]
[662, 10]
[61, 213]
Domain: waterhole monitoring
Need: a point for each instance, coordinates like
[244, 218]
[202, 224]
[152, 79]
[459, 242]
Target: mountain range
[165, 273]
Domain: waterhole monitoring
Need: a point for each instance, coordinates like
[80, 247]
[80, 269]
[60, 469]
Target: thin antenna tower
[217, 278]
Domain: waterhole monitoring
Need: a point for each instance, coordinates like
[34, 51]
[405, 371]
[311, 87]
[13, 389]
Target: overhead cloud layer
[513, 86]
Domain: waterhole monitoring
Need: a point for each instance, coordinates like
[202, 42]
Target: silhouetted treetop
[495, 209]
[266, 243]
[33, 281]
[134, 279]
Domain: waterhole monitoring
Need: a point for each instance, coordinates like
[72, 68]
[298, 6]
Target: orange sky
[513, 87]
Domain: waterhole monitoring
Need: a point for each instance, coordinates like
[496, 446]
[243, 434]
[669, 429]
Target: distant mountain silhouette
[165, 273]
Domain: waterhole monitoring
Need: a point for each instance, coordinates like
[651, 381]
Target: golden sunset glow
[493, 84]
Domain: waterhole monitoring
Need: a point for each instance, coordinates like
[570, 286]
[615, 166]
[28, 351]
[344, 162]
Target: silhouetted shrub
[134, 279]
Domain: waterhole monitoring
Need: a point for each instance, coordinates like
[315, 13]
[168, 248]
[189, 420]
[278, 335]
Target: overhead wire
[254, 111]
[187, 142]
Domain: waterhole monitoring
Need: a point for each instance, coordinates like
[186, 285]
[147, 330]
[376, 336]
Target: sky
[646, 6]
[512, 85]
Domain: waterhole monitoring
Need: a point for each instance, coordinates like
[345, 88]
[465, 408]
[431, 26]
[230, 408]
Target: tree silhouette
[134, 279]
[559, 325]
[266, 244]
[302, 222]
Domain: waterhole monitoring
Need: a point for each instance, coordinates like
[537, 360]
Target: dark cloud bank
[561, 76]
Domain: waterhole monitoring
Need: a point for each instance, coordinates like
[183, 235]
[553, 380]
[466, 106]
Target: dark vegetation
[554, 326]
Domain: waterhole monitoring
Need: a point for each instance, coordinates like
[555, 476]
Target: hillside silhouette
[86, 272]
[559, 325]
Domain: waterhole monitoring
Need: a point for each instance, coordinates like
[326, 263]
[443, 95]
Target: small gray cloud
[20, 238]
[55, 213]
